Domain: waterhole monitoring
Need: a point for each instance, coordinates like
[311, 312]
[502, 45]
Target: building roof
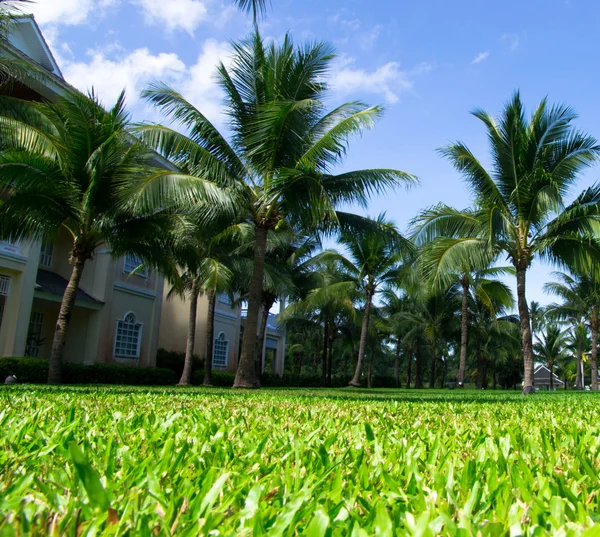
[54, 284]
[541, 376]
[26, 36]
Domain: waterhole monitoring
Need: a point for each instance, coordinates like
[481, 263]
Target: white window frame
[36, 320]
[223, 298]
[4, 285]
[46, 253]
[220, 340]
[132, 262]
[120, 326]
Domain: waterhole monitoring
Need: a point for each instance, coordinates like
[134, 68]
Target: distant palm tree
[373, 261]
[520, 203]
[280, 156]
[551, 347]
[581, 299]
[256, 7]
[67, 166]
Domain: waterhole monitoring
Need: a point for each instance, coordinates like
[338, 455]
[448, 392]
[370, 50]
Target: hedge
[35, 370]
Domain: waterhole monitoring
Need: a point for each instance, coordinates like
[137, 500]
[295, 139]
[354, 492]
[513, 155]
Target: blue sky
[428, 62]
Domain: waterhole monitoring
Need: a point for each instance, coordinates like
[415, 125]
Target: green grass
[156, 461]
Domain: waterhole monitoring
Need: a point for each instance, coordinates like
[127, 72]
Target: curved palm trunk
[579, 376]
[444, 370]
[370, 372]
[594, 361]
[325, 348]
[397, 365]
[419, 368]
[525, 332]
[433, 364]
[62, 323]
[210, 338]
[188, 362]
[245, 376]
[363, 342]
[464, 327]
[264, 320]
[409, 358]
[330, 357]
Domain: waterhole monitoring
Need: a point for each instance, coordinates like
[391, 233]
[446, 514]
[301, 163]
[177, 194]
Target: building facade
[122, 315]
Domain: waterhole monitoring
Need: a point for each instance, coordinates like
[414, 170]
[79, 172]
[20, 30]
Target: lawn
[156, 461]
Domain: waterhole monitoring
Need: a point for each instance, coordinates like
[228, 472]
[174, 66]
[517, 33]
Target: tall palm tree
[279, 159]
[199, 263]
[66, 166]
[443, 263]
[256, 7]
[520, 203]
[551, 347]
[581, 299]
[373, 261]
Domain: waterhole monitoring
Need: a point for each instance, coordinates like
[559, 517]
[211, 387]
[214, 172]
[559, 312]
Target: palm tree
[66, 166]
[278, 162]
[373, 261]
[199, 264]
[449, 259]
[581, 299]
[520, 204]
[551, 347]
[256, 7]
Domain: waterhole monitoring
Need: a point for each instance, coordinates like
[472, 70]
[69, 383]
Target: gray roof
[50, 282]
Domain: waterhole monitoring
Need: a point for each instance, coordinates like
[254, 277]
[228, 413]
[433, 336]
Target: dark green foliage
[35, 371]
[174, 361]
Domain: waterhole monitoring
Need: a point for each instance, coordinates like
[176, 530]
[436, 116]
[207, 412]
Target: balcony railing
[271, 320]
[10, 247]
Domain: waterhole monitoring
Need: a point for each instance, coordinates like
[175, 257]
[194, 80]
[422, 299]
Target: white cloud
[387, 80]
[513, 41]
[369, 38]
[480, 57]
[110, 70]
[173, 14]
[67, 12]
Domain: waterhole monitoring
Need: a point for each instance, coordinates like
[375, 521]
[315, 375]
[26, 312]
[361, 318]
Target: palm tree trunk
[419, 372]
[464, 327]
[264, 319]
[363, 341]
[188, 361]
[330, 357]
[300, 364]
[479, 366]
[525, 331]
[245, 376]
[594, 360]
[579, 376]
[210, 338]
[494, 375]
[62, 323]
[433, 364]
[444, 370]
[409, 359]
[551, 364]
[325, 347]
[397, 365]
[370, 372]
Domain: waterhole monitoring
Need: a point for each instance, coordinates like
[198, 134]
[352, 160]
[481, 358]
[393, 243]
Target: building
[120, 317]
[541, 379]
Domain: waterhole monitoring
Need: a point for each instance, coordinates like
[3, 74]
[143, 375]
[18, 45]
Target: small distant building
[541, 379]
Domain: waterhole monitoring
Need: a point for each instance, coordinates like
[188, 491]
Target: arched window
[128, 337]
[220, 351]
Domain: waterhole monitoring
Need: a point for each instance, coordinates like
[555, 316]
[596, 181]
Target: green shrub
[219, 378]
[35, 370]
[174, 361]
